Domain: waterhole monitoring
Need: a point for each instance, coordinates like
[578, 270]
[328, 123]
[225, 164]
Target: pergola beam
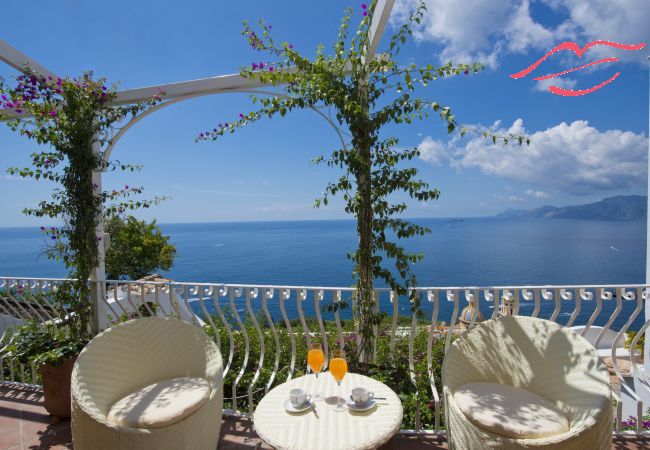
[20, 61]
[378, 25]
[237, 82]
[180, 89]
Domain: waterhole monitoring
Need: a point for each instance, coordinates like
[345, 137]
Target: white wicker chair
[135, 354]
[540, 356]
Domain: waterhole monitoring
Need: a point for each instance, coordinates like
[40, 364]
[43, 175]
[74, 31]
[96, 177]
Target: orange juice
[316, 359]
[338, 368]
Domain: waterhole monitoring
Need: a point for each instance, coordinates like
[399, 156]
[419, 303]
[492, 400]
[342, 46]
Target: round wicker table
[320, 427]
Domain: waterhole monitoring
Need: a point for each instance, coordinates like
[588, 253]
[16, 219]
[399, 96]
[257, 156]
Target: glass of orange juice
[338, 368]
[316, 360]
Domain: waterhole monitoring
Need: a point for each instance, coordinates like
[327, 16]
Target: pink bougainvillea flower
[365, 13]
[53, 113]
[364, 6]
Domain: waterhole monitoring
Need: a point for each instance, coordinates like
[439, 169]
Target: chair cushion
[160, 404]
[509, 411]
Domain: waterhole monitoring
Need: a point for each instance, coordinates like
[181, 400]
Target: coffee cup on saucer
[298, 397]
[360, 396]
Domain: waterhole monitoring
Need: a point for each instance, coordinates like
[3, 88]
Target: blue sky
[584, 148]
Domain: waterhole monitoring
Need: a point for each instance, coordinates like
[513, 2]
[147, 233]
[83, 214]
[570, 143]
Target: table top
[322, 427]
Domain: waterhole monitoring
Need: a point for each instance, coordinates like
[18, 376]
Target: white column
[646, 350]
[99, 273]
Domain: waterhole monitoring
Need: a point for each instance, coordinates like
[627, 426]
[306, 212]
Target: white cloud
[514, 198]
[480, 30]
[573, 158]
[434, 152]
[485, 30]
[536, 194]
[564, 83]
[624, 21]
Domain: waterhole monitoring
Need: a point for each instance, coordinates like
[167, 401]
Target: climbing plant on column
[69, 119]
[363, 96]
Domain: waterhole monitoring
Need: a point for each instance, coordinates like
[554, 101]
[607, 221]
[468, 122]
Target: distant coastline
[620, 208]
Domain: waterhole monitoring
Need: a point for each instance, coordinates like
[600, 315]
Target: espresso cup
[298, 397]
[361, 395]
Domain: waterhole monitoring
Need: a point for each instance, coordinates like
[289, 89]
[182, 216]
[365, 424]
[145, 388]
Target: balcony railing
[262, 330]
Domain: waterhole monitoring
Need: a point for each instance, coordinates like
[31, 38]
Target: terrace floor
[24, 424]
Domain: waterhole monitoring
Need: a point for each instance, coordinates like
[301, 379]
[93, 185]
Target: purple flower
[363, 6]
[59, 82]
[365, 13]
[254, 66]
[290, 45]
[53, 113]
[270, 68]
[241, 115]
[53, 238]
[261, 65]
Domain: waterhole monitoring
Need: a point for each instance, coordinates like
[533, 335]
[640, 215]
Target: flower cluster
[364, 8]
[52, 232]
[221, 128]
[253, 40]
[262, 65]
[631, 423]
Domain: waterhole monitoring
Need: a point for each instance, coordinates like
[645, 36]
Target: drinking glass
[316, 359]
[338, 368]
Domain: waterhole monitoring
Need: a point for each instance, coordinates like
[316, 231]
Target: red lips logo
[575, 48]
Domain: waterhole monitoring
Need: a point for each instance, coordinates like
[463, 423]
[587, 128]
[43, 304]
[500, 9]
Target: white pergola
[185, 90]
[174, 93]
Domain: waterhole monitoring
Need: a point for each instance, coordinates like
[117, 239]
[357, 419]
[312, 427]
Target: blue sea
[458, 252]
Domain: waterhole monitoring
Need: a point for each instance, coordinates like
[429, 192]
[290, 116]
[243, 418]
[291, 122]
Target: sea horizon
[472, 252]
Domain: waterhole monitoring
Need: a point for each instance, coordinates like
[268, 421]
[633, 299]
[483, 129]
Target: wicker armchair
[545, 359]
[138, 353]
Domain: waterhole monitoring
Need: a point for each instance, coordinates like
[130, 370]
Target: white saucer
[363, 407]
[290, 408]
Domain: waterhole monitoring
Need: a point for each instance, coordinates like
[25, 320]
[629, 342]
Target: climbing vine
[70, 120]
[363, 96]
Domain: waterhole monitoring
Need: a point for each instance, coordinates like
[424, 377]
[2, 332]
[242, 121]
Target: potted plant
[53, 349]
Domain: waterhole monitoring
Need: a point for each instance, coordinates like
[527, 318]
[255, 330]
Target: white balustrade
[264, 316]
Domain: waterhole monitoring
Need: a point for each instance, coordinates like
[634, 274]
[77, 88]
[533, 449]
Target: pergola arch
[174, 93]
[115, 138]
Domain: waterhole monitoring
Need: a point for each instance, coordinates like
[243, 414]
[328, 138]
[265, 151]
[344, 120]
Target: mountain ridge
[620, 207]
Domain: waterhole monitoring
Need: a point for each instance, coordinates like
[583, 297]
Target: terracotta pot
[56, 387]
